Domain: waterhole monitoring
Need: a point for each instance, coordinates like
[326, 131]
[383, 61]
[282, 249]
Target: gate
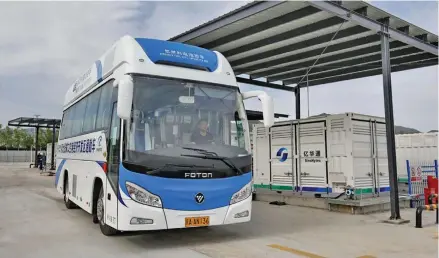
[369, 153]
[261, 155]
[417, 172]
[312, 157]
[281, 159]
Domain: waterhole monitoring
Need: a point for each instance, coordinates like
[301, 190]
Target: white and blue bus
[134, 150]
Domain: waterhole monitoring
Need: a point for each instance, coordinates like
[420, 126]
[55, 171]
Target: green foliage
[45, 137]
[22, 139]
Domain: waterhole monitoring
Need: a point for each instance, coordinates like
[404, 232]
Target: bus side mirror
[267, 105]
[125, 97]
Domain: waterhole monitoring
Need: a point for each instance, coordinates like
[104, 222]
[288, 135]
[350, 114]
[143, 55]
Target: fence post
[435, 167]
[407, 162]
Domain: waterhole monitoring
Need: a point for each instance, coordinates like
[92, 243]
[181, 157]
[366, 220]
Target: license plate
[196, 221]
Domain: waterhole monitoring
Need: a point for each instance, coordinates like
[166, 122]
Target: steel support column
[36, 146]
[390, 129]
[297, 94]
[52, 165]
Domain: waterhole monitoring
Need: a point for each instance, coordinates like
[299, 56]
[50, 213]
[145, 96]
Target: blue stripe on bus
[99, 70]
[58, 171]
[120, 198]
[179, 194]
[178, 53]
[101, 164]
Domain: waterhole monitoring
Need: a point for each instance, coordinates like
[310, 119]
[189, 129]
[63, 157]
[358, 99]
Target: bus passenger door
[113, 170]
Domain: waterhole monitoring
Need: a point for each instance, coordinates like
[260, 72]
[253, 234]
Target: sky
[45, 46]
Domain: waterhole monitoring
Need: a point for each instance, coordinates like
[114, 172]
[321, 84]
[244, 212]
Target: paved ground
[34, 223]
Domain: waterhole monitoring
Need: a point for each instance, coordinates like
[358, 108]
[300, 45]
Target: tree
[1, 136]
[28, 140]
[6, 137]
[45, 137]
[20, 138]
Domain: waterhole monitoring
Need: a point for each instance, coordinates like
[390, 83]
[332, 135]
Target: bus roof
[154, 57]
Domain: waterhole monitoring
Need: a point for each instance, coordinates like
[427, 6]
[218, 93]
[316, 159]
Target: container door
[261, 157]
[363, 155]
[381, 162]
[312, 167]
[282, 174]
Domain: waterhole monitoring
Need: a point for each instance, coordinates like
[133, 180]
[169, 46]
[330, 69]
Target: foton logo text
[198, 175]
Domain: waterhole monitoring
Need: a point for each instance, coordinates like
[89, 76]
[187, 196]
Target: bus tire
[69, 204]
[100, 213]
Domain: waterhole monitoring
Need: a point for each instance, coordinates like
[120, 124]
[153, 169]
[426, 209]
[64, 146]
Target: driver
[201, 135]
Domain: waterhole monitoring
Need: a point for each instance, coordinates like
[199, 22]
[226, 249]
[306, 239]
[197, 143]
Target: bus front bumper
[140, 217]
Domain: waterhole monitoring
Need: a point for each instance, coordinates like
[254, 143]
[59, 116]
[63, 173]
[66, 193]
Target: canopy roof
[35, 122]
[48, 123]
[279, 41]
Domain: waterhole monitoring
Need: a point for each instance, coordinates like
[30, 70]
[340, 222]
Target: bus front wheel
[100, 214]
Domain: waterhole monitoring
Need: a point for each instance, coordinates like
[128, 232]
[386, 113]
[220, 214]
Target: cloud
[414, 12]
[45, 46]
[415, 98]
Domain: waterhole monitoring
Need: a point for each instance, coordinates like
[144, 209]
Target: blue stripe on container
[315, 189]
[385, 189]
[435, 167]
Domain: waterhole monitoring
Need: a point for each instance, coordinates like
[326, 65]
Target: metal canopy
[279, 41]
[35, 122]
[39, 123]
[311, 43]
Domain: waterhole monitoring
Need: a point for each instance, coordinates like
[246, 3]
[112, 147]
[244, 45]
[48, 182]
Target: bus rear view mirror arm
[125, 97]
[267, 105]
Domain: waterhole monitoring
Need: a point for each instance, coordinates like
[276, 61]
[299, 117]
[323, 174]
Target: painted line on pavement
[307, 254]
[295, 251]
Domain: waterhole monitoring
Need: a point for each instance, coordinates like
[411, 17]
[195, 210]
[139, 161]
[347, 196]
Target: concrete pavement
[35, 223]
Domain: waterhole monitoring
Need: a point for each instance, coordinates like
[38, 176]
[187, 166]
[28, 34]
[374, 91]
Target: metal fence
[16, 156]
[417, 172]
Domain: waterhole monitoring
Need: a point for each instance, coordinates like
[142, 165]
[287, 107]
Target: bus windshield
[176, 124]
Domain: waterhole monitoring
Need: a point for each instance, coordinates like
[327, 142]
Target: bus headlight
[242, 194]
[142, 196]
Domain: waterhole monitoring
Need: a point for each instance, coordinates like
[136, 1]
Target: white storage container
[420, 148]
[49, 153]
[322, 154]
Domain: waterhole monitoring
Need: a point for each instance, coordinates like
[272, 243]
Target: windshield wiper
[203, 151]
[225, 160]
[155, 171]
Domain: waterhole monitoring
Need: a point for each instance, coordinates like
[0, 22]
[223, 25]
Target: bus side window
[91, 111]
[70, 113]
[105, 107]
[62, 127]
